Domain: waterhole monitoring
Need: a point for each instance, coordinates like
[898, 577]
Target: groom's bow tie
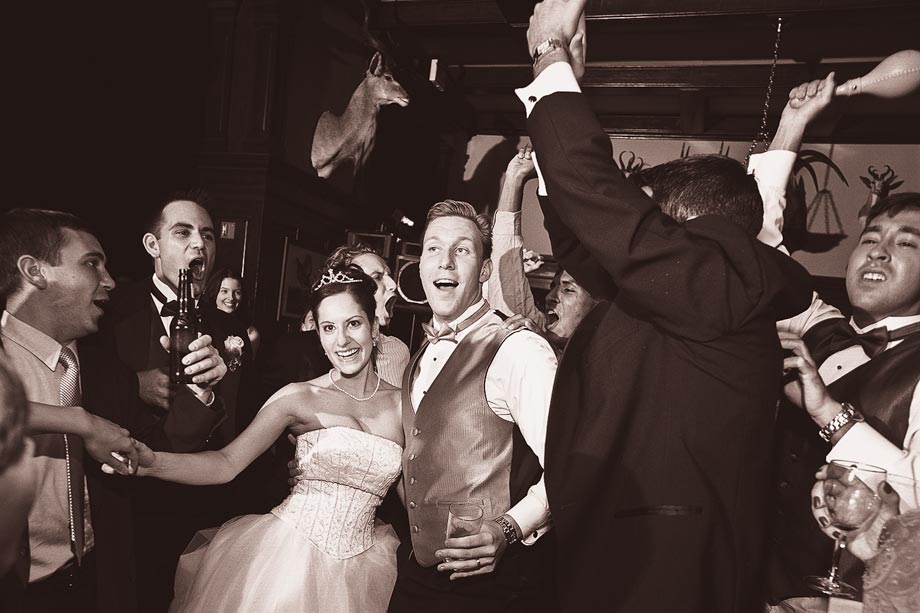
[444, 334]
[449, 333]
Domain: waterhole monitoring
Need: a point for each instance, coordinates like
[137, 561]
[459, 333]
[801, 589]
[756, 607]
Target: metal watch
[511, 535]
[846, 415]
[545, 47]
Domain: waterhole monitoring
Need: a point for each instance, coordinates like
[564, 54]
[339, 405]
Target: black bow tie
[170, 308]
[873, 342]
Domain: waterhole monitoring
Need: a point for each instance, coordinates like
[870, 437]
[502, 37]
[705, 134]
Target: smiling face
[385, 296]
[566, 305]
[78, 288]
[345, 333]
[452, 267]
[229, 295]
[883, 274]
[185, 240]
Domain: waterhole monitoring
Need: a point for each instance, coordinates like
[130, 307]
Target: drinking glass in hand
[463, 519]
[851, 496]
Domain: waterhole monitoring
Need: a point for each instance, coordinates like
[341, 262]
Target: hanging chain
[762, 135]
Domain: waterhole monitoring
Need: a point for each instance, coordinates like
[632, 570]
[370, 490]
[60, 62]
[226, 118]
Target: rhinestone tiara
[331, 276]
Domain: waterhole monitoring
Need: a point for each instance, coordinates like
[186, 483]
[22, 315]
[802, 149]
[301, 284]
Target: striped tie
[73, 453]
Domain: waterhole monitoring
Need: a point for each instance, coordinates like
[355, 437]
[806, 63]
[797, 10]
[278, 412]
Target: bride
[320, 549]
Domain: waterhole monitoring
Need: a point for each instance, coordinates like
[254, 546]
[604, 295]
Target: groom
[473, 395]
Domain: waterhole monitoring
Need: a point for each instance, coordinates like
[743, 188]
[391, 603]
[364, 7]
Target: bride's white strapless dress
[321, 550]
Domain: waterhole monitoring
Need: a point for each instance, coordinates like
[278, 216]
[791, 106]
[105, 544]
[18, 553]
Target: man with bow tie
[870, 363]
[179, 235]
[474, 396]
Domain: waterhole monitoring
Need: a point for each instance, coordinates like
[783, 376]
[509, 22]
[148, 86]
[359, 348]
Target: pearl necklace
[349, 394]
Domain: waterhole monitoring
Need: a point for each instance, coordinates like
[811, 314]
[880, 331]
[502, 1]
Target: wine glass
[850, 492]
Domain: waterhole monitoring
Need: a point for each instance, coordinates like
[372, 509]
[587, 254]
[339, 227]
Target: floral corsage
[234, 347]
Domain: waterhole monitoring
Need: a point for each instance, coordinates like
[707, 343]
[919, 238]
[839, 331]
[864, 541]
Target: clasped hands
[203, 361]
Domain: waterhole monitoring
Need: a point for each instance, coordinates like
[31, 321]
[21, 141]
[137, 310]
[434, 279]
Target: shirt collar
[892, 323]
[36, 342]
[165, 289]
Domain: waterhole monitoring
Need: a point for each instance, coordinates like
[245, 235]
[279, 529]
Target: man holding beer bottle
[180, 236]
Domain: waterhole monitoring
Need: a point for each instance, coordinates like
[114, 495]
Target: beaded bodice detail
[345, 474]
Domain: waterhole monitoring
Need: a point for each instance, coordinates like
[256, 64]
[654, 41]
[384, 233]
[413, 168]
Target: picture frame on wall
[381, 243]
[300, 268]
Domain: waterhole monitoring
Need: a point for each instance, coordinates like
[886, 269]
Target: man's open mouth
[445, 283]
[873, 275]
[196, 266]
[551, 317]
[389, 305]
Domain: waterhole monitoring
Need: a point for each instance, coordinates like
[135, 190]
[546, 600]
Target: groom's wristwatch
[508, 529]
[846, 415]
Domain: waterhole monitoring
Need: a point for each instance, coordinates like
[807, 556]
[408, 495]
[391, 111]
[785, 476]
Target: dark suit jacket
[188, 424]
[658, 446]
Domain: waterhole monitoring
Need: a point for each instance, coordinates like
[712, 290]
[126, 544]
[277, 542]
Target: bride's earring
[374, 342]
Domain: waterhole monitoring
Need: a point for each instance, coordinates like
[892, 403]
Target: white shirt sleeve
[862, 443]
[817, 312]
[508, 289]
[519, 386]
[772, 170]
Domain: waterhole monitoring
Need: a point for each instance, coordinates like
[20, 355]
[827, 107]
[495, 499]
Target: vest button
[412, 505]
[416, 529]
[411, 480]
[412, 456]
[415, 431]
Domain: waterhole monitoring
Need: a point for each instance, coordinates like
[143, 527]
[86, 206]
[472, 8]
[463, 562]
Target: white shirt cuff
[557, 77]
[772, 170]
[772, 167]
[532, 514]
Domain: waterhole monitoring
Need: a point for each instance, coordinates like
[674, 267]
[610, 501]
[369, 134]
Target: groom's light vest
[457, 449]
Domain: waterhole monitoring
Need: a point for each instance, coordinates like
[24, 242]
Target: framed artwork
[300, 268]
[381, 243]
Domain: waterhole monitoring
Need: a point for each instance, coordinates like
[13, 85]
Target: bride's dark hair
[349, 280]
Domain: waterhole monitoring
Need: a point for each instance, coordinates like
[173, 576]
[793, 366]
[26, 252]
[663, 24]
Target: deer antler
[888, 175]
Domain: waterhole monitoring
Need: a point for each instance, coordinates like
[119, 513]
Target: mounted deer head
[879, 186]
[349, 138]
[383, 88]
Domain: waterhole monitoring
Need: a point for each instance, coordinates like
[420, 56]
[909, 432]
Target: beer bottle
[182, 331]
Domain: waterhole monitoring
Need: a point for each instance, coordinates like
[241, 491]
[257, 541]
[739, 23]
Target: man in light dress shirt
[497, 569]
[56, 285]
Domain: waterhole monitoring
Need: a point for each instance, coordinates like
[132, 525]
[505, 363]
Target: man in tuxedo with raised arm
[657, 474]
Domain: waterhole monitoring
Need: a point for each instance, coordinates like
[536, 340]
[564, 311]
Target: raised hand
[521, 167]
[808, 99]
[557, 19]
[806, 102]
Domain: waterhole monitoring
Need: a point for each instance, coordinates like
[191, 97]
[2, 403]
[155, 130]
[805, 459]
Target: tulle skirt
[260, 563]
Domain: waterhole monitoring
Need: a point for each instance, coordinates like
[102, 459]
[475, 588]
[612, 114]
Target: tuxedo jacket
[659, 437]
[129, 329]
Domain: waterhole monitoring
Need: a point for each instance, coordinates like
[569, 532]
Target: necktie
[73, 453]
[448, 333]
